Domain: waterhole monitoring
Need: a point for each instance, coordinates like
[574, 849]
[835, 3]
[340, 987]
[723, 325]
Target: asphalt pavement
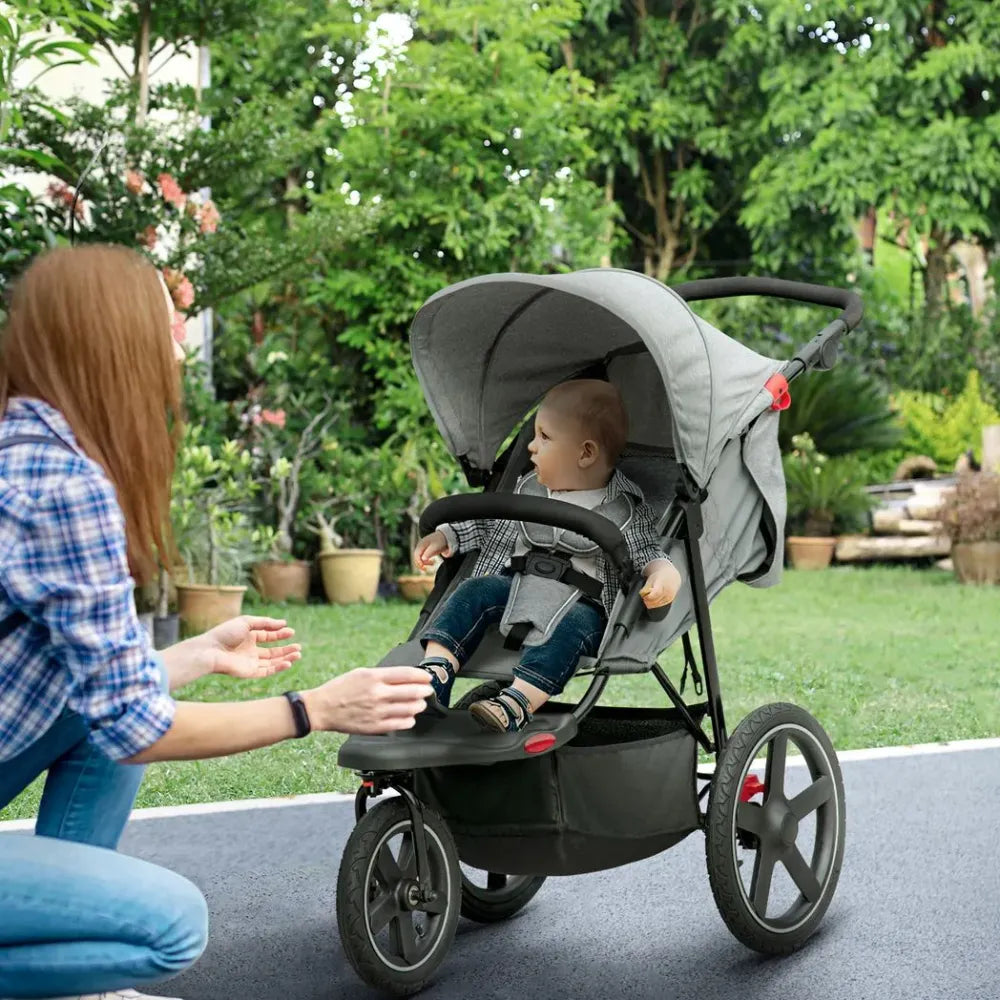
[916, 915]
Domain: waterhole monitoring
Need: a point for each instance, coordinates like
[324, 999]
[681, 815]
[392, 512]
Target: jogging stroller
[587, 787]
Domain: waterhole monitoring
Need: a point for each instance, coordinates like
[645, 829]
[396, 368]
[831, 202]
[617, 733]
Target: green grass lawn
[880, 656]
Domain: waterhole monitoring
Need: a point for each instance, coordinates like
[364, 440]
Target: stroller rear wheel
[394, 936]
[500, 898]
[774, 849]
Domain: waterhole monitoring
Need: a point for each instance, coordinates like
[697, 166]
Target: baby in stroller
[549, 590]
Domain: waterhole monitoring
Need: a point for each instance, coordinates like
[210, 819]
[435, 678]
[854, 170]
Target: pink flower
[274, 417]
[181, 290]
[134, 181]
[147, 237]
[60, 192]
[209, 217]
[171, 191]
[177, 327]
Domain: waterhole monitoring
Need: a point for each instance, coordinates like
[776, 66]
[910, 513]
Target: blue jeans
[75, 916]
[480, 601]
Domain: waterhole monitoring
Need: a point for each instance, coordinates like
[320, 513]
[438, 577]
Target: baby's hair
[598, 407]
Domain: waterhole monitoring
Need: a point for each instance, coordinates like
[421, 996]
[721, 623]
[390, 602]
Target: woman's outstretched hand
[241, 647]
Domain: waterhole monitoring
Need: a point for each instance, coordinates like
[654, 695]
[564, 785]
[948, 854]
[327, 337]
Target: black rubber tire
[354, 882]
[479, 903]
[488, 906]
[773, 935]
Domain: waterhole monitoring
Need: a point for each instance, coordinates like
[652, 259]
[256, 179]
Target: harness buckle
[549, 565]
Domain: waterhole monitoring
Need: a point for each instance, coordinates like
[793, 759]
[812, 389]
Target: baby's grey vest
[538, 597]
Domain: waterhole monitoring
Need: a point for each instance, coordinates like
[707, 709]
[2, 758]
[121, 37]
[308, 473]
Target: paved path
[916, 916]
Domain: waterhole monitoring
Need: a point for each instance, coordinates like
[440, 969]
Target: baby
[580, 430]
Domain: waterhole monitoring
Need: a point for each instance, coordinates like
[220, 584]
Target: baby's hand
[661, 586]
[429, 548]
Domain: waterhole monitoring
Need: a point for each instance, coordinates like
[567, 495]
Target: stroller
[481, 819]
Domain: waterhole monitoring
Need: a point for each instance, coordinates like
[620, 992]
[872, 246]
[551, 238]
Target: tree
[891, 107]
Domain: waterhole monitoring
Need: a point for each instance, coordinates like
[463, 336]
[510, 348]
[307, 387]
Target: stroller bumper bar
[555, 513]
[821, 351]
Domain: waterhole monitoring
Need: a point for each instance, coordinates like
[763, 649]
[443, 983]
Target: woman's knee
[183, 926]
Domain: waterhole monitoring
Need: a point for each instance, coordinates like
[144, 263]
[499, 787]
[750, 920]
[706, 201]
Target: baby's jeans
[480, 601]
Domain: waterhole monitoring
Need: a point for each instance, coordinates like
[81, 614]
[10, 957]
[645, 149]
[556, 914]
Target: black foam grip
[555, 513]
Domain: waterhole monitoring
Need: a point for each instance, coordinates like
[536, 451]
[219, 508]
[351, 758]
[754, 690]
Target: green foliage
[945, 428]
[825, 495]
[211, 505]
[843, 410]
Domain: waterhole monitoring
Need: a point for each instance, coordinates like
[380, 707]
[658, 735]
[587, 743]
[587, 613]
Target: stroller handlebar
[555, 513]
[821, 351]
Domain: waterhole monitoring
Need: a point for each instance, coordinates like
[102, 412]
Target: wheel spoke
[438, 905]
[802, 874]
[760, 883]
[387, 867]
[817, 794]
[404, 937]
[774, 776]
[749, 817]
[496, 881]
[407, 856]
[382, 911]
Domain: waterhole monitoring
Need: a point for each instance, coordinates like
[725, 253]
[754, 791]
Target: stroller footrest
[454, 737]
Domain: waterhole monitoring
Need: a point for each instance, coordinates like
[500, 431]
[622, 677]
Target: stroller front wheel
[774, 848]
[394, 937]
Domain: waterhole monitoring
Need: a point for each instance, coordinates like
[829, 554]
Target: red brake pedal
[751, 786]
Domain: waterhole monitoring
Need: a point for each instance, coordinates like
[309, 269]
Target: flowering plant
[824, 494]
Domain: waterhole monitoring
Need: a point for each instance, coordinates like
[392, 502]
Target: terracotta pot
[200, 606]
[807, 552]
[278, 580]
[350, 575]
[976, 562]
[414, 586]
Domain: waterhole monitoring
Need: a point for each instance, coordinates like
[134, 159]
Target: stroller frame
[681, 521]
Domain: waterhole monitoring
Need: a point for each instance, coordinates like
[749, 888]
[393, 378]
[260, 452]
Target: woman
[89, 420]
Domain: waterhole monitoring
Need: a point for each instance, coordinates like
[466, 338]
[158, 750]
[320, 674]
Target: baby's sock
[442, 675]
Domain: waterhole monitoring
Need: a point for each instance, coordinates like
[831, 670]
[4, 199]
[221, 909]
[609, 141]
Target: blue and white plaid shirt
[496, 539]
[63, 564]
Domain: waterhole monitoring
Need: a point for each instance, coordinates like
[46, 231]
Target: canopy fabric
[487, 349]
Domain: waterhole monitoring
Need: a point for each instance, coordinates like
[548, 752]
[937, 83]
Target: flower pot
[976, 562]
[278, 580]
[807, 552]
[166, 631]
[415, 586]
[201, 607]
[350, 575]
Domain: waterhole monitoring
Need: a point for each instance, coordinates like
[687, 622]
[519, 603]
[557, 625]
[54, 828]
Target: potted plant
[415, 468]
[216, 539]
[282, 577]
[971, 516]
[350, 575]
[824, 494]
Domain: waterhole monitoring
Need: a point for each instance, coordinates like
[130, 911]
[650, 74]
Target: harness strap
[553, 566]
[516, 636]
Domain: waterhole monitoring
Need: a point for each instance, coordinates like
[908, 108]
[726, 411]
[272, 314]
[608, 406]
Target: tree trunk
[936, 274]
[609, 225]
[142, 61]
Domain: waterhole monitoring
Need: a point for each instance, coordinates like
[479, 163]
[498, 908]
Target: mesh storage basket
[622, 790]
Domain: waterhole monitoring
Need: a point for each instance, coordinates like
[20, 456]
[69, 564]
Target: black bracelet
[302, 725]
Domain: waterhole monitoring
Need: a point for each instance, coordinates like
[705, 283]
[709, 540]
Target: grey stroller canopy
[487, 349]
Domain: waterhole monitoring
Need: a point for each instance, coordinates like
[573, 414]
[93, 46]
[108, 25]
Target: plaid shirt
[63, 564]
[495, 539]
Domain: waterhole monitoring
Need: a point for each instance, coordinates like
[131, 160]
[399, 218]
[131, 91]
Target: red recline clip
[751, 786]
[777, 386]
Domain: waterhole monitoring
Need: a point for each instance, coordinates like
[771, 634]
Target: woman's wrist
[187, 661]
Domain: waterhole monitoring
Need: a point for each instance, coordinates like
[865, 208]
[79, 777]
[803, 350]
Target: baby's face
[557, 449]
